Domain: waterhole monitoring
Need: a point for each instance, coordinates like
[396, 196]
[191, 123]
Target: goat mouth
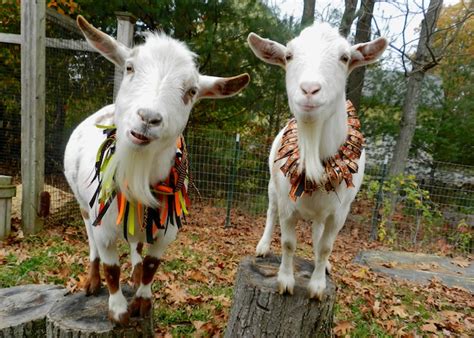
[138, 138]
[308, 107]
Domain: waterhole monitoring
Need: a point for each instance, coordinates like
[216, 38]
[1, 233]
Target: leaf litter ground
[194, 284]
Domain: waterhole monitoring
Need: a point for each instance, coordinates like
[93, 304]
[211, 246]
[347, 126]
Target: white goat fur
[317, 64]
[161, 83]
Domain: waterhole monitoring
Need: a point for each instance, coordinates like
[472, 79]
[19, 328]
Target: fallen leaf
[430, 327]
[389, 264]
[360, 273]
[198, 276]
[376, 307]
[424, 266]
[198, 324]
[176, 294]
[225, 301]
[343, 328]
[399, 311]
[461, 262]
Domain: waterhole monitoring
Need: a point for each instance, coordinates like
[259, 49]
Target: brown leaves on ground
[198, 271]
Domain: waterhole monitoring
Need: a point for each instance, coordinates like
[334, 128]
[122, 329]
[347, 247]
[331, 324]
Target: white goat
[160, 85]
[317, 64]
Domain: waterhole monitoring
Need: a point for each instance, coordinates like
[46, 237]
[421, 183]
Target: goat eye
[129, 69]
[192, 92]
[345, 58]
[289, 57]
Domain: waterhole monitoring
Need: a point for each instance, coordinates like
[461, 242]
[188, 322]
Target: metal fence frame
[229, 169]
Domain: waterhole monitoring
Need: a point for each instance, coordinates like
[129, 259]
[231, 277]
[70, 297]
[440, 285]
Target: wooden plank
[79, 45]
[10, 38]
[63, 21]
[125, 28]
[33, 71]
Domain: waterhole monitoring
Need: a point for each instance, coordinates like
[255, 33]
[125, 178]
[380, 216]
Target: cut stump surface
[258, 310]
[23, 309]
[84, 316]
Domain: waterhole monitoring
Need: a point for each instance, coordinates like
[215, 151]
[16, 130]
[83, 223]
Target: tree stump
[258, 310]
[80, 316]
[23, 309]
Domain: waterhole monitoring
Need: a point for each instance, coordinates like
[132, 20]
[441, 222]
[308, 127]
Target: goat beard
[133, 170]
[310, 161]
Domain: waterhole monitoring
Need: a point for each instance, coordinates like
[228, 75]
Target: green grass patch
[181, 319]
[215, 290]
[14, 273]
[176, 266]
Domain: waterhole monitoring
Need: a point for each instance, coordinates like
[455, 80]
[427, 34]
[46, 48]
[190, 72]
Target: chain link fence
[432, 201]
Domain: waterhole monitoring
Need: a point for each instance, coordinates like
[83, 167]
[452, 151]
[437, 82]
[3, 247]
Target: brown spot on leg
[84, 214]
[137, 275]
[92, 286]
[112, 276]
[140, 248]
[150, 264]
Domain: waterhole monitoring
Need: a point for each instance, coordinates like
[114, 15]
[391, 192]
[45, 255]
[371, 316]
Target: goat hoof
[145, 308]
[263, 249]
[121, 319]
[316, 289]
[286, 284]
[92, 287]
[328, 268]
[137, 275]
[134, 306]
[140, 307]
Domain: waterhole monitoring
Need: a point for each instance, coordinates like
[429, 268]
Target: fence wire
[432, 201]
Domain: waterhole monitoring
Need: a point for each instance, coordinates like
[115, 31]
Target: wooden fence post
[125, 29]
[33, 72]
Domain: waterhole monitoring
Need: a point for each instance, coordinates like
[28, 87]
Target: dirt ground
[193, 286]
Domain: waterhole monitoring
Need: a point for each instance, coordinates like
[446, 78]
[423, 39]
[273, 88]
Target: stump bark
[258, 310]
[83, 317]
[23, 309]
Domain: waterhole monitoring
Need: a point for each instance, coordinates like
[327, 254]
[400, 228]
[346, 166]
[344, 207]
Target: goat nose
[310, 88]
[150, 116]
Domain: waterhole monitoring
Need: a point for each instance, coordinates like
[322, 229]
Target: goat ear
[364, 53]
[211, 87]
[267, 50]
[105, 45]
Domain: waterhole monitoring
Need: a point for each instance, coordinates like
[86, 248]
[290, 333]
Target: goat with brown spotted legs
[161, 83]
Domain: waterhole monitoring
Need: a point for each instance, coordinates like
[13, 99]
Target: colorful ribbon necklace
[171, 194]
[338, 167]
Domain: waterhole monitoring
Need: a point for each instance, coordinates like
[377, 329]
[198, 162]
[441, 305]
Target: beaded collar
[171, 194]
[338, 167]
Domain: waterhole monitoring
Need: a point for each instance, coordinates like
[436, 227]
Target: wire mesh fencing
[78, 83]
[432, 201]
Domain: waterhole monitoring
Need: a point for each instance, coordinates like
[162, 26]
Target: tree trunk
[258, 310]
[307, 18]
[407, 124]
[410, 105]
[23, 309]
[348, 17]
[81, 316]
[356, 79]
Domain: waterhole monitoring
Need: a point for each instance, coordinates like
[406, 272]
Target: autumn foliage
[193, 287]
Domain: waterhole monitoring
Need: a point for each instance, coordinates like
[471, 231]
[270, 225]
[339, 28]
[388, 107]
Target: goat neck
[320, 139]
